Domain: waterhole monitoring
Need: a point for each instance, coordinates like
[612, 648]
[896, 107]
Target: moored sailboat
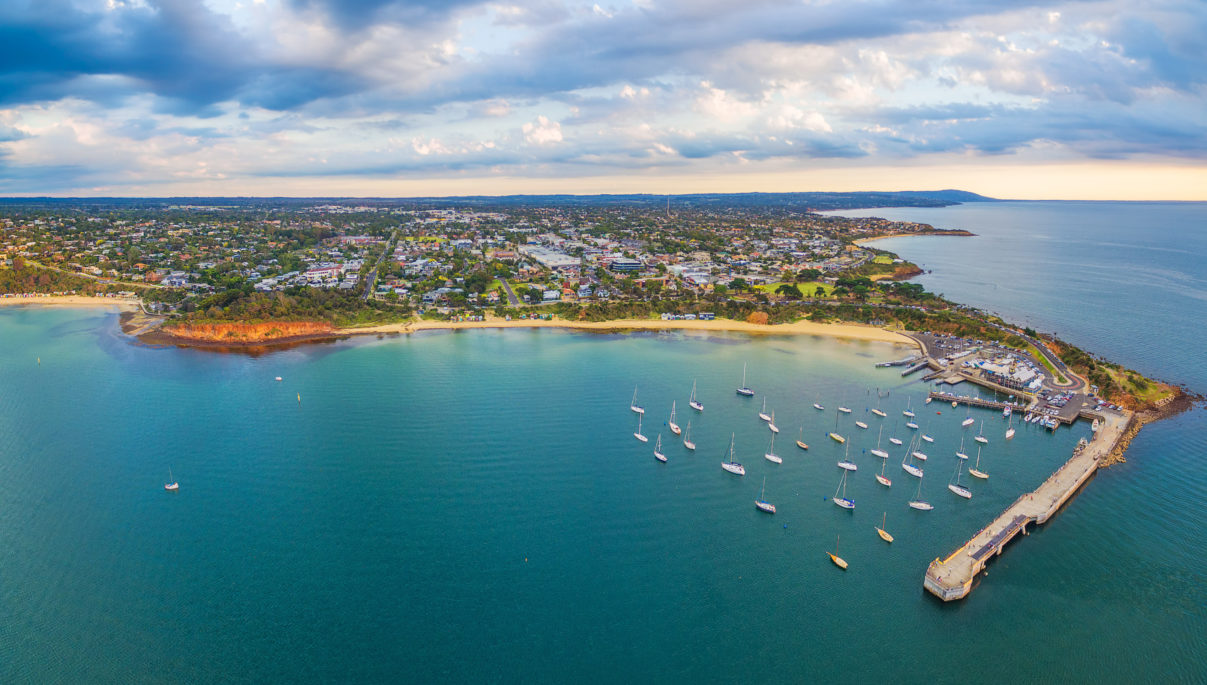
[671, 423]
[658, 450]
[771, 424]
[846, 463]
[908, 467]
[980, 437]
[770, 454]
[637, 409]
[843, 501]
[172, 483]
[762, 504]
[800, 439]
[960, 452]
[955, 485]
[837, 560]
[763, 413]
[638, 434]
[745, 391]
[884, 535]
[834, 435]
[908, 410]
[687, 438]
[693, 402]
[976, 471]
[731, 465]
[881, 478]
[877, 451]
[1010, 427]
[918, 503]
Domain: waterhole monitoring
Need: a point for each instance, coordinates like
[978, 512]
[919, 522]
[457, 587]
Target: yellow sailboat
[838, 561]
[884, 535]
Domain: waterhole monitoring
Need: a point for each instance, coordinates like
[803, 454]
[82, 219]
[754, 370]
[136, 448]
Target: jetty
[950, 578]
[899, 362]
[925, 363]
[976, 401]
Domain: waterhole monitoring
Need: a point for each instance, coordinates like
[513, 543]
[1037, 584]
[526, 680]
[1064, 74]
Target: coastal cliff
[248, 333]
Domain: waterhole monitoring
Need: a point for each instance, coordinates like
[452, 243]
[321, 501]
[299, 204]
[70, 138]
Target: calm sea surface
[473, 506]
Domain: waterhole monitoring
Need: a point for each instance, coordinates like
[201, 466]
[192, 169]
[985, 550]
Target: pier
[950, 578]
[976, 401]
[917, 367]
[899, 362]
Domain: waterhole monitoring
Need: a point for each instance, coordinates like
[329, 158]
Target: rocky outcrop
[248, 333]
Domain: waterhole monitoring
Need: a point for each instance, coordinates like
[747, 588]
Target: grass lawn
[807, 289]
[882, 259]
[1047, 364]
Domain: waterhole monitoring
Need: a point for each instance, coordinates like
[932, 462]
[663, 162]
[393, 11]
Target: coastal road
[511, 298]
[371, 279]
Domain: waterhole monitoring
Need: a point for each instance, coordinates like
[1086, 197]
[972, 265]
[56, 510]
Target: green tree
[789, 290]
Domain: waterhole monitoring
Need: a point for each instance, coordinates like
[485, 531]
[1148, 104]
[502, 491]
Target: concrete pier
[976, 401]
[950, 578]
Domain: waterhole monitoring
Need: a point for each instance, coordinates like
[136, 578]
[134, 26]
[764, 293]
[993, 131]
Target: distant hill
[787, 201]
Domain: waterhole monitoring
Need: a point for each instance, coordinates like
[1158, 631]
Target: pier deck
[976, 401]
[951, 578]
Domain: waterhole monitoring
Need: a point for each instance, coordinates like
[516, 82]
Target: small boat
[818, 407]
[954, 404]
[846, 463]
[1027, 417]
[976, 471]
[980, 437]
[692, 401]
[843, 501]
[638, 434]
[928, 399]
[895, 441]
[687, 438]
[838, 561]
[908, 467]
[1094, 426]
[731, 465]
[960, 452]
[1006, 412]
[919, 455]
[911, 425]
[1010, 428]
[877, 411]
[881, 478]
[861, 424]
[770, 454]
[762, 504]
[927, 438]
[278, 378]
[172, 484]
[771, 424]
[877, 451]
[658, 449]
[917, 502]
[836, 436]
[745, 391]
[968, 420]
[955, 486]
[800, 439]
[844, 410]
[881, 531]
[908, 412]
[763, 414]
[671, 423]
[637, 409]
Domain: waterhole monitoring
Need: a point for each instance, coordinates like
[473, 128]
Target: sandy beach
[121, 303]
[848, 331]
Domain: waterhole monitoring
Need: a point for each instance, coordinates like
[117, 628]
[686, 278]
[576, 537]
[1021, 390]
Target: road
[511, 298]
[371, 279]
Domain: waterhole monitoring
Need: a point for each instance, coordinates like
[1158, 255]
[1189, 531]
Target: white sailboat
[976, 471]
[762, 504]
[925, 435]
[846, 463]
[908, 467]
[771, 424]
[745, 391]
[632, 405]
[960, 452]
[861, 424]
[731, 465]
[671, 423]
[844, 410]
[881, 531]
[877, 410]
[658, 450]
[879, 452]
[638, 434]
[911, 425]
[770, 454]
[687, 438]
[955, 486]
[895, 440]
[881, 478]
[843, 501]
[692, 401]
[980, 437]
[918, 503]
[968, 420]
[1010, 427]
[763, 413]
[919, 455]
[818, 407]
[908, 411]
[172, 483]
[800, 439]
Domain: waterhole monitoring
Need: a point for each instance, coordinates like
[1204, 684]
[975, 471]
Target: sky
[1036, 100]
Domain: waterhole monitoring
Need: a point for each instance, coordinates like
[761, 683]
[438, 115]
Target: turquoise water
[472, 506]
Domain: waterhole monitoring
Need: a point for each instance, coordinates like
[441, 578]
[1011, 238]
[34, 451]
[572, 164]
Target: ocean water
[473, 507]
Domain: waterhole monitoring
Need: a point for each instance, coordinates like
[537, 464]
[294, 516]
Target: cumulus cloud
[542, 131]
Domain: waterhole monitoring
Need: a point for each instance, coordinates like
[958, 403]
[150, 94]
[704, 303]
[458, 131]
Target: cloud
[542, 131]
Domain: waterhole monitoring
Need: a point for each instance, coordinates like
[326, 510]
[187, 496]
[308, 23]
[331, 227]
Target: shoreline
[833, 330]
[122, 303]
[957, 233]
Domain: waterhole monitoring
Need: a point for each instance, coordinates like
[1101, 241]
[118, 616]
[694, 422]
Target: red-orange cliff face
[244, 333]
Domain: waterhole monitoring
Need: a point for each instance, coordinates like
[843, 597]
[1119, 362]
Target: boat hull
[848, 466]
[960, 490]
[773, 458]
[883, 481]
[837, 438]
[838, 561]
[773, 428]
[880, 453]
[978, 474]
[660, 457]
[861, 424]
[734, 467]
[745, 392]
[675, 428]
[877, 412]
[896, 441]
[689, 445]
[171, 486]
[637, 410]
[884, 535]
[641, 437]
[921, 506]
[801, 445]
[766, 507]
[844, 502]
[912, 470]
[696, 405]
